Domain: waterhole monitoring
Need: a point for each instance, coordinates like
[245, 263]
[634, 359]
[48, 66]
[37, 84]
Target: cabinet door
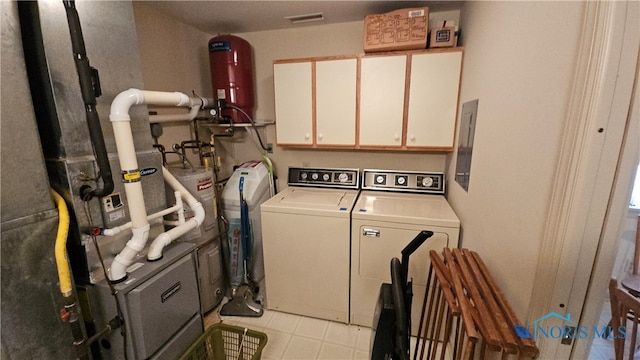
[292, 86]
[382, 84]
[433, 99]
[336, 102]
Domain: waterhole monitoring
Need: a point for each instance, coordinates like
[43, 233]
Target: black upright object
[392, 317]
[90, 88]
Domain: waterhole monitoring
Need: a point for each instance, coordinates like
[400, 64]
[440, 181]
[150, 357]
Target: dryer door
[373, 246]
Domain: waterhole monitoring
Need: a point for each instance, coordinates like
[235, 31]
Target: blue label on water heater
[219, 46]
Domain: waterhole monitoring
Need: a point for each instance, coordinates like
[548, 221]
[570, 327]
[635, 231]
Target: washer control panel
[408, 181]
[325, 177]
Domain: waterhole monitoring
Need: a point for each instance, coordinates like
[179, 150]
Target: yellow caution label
[131, 176]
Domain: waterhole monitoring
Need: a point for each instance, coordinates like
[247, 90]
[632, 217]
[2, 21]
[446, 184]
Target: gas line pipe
[70, 313]
[121, 122]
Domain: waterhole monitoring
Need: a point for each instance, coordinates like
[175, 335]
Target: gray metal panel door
[163, 304]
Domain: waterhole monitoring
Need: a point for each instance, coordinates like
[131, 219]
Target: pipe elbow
[118, 269]
[198, 211]
[123, 102]
[156, 247]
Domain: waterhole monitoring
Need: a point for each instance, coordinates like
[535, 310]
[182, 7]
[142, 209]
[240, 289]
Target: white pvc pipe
[178, 196]
[118, 229]
[121, 122]
[175, 117]
[164, 239]
[196, 104]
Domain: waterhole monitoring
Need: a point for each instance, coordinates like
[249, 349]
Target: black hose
[265, 148]
[90, 88]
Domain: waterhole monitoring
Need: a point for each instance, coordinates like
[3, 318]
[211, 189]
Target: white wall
[518, 61]
[173, 57]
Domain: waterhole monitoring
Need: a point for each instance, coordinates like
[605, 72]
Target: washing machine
[306, 231]
[393, 207]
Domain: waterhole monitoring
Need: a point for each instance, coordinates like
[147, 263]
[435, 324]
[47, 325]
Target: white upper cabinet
[293, 97]
[382, 86]
[396, 101]
[433, 99]
[335, 102]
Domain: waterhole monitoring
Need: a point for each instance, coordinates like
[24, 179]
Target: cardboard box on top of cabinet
[444, 35]
[404, 29]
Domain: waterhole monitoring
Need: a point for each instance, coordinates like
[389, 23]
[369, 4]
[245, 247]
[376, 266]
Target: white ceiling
[215, 17]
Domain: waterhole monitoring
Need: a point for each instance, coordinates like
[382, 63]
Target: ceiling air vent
[298, 19]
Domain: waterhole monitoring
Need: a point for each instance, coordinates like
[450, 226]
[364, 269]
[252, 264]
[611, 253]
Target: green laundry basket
[227, 342]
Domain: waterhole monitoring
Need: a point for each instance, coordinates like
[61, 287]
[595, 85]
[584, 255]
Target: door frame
[587, 194]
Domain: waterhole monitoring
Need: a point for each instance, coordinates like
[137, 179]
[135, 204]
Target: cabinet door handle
[396, 137]
[412, 137]
[371, 232]
[320, 136]
[307, 136]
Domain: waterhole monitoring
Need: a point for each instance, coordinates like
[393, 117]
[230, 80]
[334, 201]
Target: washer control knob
[380, 179]
[343, 177]
[314, 176]
[326, 177]
[427, 181]
[303, 176]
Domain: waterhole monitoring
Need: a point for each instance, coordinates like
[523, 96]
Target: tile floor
[602, 349]
[303, 338]
[298, 337]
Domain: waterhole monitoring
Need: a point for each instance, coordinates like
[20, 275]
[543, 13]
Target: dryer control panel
[323, 177]
[405, 181]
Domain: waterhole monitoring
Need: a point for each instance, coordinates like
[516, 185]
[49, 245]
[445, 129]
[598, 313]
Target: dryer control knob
[343, 177]
[427, 181]
[314, 176]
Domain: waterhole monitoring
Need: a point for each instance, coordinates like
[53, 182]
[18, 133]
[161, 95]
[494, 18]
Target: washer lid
[296, 200]
[403, 208]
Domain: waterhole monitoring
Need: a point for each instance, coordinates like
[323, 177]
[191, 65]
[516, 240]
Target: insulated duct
[90, 88]
[121, 122]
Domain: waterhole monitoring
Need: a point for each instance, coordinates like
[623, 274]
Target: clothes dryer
[306, 239]
[393, 207]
